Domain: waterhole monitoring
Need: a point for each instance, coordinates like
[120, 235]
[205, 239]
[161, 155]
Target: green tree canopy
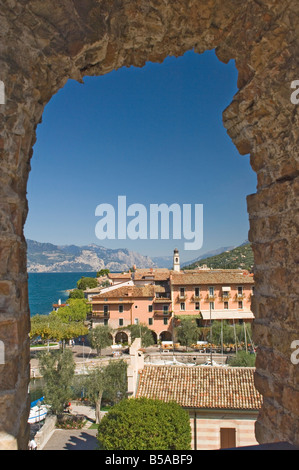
[145, 424]
[142, 331]
[115, 381]
[76, 294]
[187, 332]
[75, 310]
[222, 332]
[71, 330]
[43, 326]
[109, 382]
[94, 387]
[243, 359]
[228, 333]
[57, 369]
[51, 327]
[100, 337]
[87, 282]
[103, 272]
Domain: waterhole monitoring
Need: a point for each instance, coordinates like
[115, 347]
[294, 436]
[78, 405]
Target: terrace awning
[227, 315]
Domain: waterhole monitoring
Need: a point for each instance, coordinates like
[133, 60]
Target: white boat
[173, 362]
[38, 413]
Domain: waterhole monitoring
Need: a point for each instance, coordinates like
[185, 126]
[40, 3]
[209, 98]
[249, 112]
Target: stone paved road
[82, 439]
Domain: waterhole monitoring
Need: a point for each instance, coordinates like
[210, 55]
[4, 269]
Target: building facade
[157, 297]
[213, 294]
[135, 305]
[223, 403]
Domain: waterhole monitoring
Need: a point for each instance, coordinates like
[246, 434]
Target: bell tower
[176, 260]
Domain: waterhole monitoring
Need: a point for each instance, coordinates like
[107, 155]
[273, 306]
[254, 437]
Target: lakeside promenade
[75, 439]
[62, 439]
[85, 438]
[84, 357]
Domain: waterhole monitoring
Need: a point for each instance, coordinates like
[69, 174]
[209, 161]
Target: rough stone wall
[44, 43]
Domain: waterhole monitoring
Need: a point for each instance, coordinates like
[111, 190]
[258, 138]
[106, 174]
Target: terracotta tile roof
[220, 270]
[161, 289]
[211, 278]
[228, 388]
[128, 291]
[158, 274]
[120, 275]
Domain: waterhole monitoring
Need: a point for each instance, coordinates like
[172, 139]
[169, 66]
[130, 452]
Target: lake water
[45, 289]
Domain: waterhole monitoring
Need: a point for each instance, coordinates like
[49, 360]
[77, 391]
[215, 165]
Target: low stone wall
[46, 431]
[186, 358]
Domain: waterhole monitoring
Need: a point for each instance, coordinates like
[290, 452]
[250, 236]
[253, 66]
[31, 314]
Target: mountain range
[47, 257]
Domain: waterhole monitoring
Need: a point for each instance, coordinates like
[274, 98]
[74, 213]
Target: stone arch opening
[44, 47]
[77, 105]
[165, 336]
[155, 336]
[121, 337]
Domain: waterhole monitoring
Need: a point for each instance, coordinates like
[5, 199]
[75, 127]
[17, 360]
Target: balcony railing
[162, 298]
[225, 297]
[211, 297]
[181, 298]
[239, 297]
[196, 298]
[162, 313]
[100, 314]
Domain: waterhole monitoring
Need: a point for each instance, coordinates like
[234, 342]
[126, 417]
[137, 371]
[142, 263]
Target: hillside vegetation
[240, 257]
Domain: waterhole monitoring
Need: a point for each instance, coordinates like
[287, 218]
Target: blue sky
[153, 134]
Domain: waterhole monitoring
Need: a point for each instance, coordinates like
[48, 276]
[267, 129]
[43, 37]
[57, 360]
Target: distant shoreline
[63, 272]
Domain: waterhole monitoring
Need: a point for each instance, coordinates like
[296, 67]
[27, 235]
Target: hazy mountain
[167, 261]
[239, 257]
[208, 254]
[46, 257]
[163, 261]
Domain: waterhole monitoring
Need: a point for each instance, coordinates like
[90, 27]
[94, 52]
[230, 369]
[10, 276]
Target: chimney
[130, 292]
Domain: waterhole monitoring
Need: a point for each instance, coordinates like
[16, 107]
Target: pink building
[155, 297]
[215, 294]
[223, 403]
[117, 278]
[149, 305]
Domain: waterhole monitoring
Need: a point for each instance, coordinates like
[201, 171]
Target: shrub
[145, 424]
[76, 294]
[87, 282]
[144, 332]
[243, 359]
[67, 421]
